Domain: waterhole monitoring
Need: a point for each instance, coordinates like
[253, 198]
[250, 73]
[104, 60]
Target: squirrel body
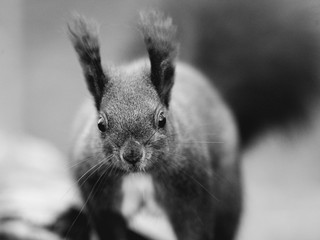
[191, 167]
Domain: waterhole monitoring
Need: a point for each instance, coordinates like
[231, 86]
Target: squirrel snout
[132, 152]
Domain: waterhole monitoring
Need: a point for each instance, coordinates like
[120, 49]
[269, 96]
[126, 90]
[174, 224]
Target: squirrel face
[132, 121]
[132, 102]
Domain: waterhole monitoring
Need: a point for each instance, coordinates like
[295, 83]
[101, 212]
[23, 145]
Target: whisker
[83, 175]
[175, 165]
[206, 142]
[112, 168]
[103, 179]
[83, 206]
[105, 175]
[76, 163]
[215, 175]
[99, 164]
[78, 181]
[199, 184]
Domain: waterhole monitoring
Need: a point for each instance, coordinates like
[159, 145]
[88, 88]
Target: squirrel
[166, 134]
[159, 132]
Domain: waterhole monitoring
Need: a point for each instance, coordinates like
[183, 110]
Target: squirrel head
[132, 102]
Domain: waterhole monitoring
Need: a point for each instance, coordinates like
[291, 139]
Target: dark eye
[161, 120]
[102, 124]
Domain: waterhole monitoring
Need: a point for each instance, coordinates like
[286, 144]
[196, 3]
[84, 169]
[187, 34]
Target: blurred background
[42, 85]
[42, 88]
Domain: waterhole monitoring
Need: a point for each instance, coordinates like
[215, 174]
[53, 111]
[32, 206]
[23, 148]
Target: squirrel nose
[132, 152]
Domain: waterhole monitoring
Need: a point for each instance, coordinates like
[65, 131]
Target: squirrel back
[162, 120]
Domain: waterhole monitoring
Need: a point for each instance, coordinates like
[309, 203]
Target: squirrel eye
[162, 120]
[102, 124]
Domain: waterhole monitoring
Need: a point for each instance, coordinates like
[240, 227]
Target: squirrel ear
[84, 37]
[159, 37]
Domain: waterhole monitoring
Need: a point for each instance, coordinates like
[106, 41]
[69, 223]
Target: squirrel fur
[159, 118]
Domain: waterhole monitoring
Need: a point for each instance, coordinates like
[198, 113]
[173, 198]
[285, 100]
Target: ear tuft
[84, 37]
[160, 38]
[84, 34]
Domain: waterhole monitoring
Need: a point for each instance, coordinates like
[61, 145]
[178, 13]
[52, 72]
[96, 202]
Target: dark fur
[192, 160]
[159, 37]
[263, 56]
[72, 224]
[84, 36]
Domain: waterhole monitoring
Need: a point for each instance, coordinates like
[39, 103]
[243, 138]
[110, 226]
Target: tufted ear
[84, 37]
[159, 36]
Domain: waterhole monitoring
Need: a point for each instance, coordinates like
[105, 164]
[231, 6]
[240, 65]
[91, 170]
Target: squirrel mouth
[136, 167]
